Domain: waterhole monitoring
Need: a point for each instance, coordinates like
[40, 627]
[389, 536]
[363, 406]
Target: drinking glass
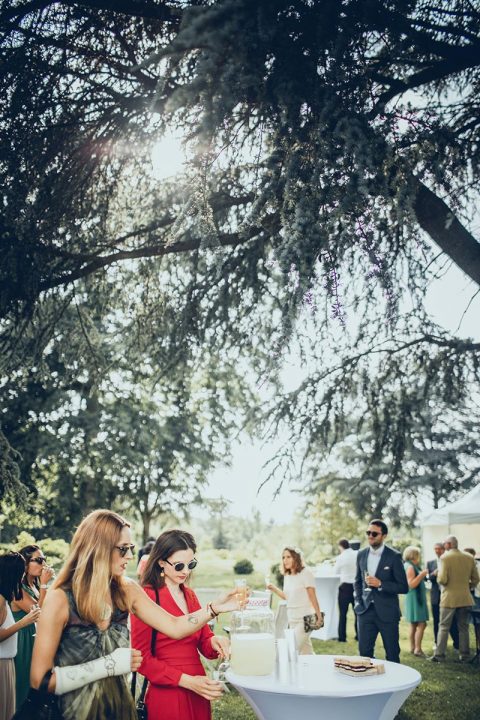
[367, 588]
[241, 588]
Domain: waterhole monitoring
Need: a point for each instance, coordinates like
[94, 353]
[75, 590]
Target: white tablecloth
[327, 593]
[316, 691]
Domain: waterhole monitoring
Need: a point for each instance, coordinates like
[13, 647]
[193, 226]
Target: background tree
[328, 150]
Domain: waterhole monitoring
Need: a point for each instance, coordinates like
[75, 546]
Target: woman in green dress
[416, 611]
[34, 588]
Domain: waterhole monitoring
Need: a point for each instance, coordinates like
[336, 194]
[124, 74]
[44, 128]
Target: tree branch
[435, 217]
[159, 250]
[135, 8]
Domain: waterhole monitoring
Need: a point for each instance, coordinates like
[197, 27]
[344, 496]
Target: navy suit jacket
[394, 582]
[435, 591]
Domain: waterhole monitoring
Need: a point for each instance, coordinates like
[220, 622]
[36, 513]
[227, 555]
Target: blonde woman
[82, 651]
[416, 611]
[300, 594]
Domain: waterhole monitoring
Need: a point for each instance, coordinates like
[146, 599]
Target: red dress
[164, 699]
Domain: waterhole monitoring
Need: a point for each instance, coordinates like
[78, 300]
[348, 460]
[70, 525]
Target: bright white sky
[447, 302]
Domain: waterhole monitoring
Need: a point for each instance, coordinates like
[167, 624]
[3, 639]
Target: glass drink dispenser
[252, 635]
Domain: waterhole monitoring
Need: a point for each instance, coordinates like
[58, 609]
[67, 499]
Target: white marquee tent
[460, 518]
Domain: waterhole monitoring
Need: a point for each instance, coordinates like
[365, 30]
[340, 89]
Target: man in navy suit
[379, 579]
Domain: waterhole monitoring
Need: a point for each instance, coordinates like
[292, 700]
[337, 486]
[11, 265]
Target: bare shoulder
[56, 603]
[132, 589]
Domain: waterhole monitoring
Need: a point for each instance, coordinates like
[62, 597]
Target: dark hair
[12, 570]
[27, 553]
[470, 550]
[165, 545]
[298, 563]
[344, 543]
[379, 523]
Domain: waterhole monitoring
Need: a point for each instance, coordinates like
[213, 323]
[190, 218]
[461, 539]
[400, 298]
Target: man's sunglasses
[178, 567]
[372, 533]
[123, 549]
[39, 560]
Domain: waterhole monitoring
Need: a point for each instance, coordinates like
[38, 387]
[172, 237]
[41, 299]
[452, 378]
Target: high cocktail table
[315, 691]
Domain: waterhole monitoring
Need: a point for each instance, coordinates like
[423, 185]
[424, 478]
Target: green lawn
[447, 692]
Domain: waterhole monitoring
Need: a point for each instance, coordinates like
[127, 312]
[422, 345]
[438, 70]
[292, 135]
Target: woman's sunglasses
[178, 567]
[39, 560]
[123, 549]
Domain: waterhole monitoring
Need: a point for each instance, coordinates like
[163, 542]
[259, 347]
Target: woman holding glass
[82, 651]
[179, 688]
[12, 570]
[301, 596]
[416, 610]
[34, 589]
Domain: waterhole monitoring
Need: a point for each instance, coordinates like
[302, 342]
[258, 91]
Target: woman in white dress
[300, 594]
[12, 570]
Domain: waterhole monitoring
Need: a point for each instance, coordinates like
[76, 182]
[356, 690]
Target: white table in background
[321, 693]
[327, 593]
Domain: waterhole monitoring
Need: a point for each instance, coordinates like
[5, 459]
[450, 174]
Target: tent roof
[464, 510]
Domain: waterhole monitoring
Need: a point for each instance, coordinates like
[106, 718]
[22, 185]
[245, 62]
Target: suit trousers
[446, 618]
[436, 623]
[369, 625]
[345, 598]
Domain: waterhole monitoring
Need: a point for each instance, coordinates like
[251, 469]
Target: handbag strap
[45, 680]
[153, 641]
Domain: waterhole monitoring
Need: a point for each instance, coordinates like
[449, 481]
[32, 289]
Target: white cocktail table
[327, 593]
[318, 692]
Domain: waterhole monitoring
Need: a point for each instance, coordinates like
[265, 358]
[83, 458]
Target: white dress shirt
[373, 559]
[346, 565]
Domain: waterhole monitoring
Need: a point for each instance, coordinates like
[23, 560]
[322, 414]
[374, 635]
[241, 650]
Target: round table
[315, 691]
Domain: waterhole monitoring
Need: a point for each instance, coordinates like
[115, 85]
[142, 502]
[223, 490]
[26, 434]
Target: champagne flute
[367, 588]
[241, 588]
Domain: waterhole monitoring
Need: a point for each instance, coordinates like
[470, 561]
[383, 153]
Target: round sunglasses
[178, 567]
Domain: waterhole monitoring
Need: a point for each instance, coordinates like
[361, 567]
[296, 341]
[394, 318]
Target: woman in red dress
[178, 687]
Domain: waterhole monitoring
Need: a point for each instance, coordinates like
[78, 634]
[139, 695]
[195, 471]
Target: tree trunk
[435, 217]
[146, 520]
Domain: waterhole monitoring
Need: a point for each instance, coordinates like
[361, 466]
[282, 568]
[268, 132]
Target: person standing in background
[380, 578]
[145, 549]
[34, 590]
[435, 591]
[12, 570]
[457, 574]
[301, 596]
[416, 611]
[345, 566]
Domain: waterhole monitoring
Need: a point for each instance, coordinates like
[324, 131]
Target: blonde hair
[87, 570]
[411, 553]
